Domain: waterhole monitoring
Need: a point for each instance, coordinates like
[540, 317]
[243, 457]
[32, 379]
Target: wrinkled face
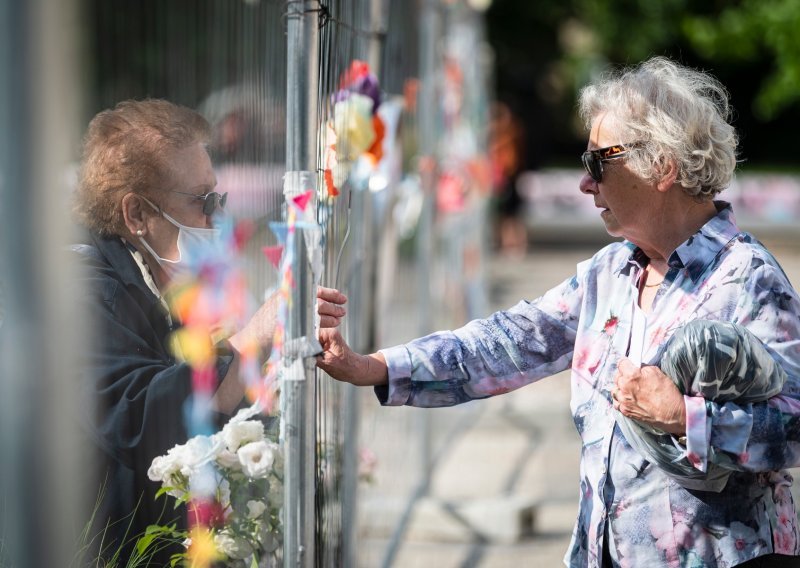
[191, 174]
[625, 199]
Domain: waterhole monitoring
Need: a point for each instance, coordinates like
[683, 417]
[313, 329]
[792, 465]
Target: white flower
[256, 458]
[228, 459]
[187, 543]
[194, 454]
[166, 470]
[231, 546]
[255, 509]
[161, 468]
[182, 462]
[237, 434]
[246, 413]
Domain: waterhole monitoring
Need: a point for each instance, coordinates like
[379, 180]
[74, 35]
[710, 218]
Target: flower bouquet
[232, 483]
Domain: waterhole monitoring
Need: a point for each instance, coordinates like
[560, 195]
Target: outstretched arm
[486, 357]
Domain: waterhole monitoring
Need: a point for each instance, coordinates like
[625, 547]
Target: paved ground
[504, 481]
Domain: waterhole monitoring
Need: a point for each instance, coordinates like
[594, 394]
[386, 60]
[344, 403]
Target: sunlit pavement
[513, 454]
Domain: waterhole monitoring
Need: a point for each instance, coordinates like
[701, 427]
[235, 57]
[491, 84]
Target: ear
[667, 175]
[133, 214]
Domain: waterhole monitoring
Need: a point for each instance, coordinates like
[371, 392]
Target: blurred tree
[547, 50]
[743, 33]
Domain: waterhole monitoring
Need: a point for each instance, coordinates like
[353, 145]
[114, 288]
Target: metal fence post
[40, 497]
[299, 393]
[430, 30]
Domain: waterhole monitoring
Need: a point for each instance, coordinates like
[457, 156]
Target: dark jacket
[136, 393]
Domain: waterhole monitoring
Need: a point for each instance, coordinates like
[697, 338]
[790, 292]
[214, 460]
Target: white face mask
[192, 243]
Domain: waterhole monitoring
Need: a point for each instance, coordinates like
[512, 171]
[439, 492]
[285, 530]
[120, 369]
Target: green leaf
[144, 542]
[164, 490]
[155, 529]
[152, 533]
[181, 500]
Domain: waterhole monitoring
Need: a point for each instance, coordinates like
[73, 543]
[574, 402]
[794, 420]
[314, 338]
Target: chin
[614, 230]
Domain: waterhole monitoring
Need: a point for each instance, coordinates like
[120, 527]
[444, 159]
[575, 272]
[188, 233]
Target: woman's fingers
[330, 306]
[331, 295]
[330, 315]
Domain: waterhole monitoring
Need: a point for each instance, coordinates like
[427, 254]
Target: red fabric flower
[206, 512]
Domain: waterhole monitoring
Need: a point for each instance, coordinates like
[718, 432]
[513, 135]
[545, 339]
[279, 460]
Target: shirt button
[603, 469]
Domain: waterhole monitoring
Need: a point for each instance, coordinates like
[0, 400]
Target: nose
[588, 185]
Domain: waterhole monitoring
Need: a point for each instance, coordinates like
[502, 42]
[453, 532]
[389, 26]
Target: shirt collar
[697, 252]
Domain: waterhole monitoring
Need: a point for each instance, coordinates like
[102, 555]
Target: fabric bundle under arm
[721, 362]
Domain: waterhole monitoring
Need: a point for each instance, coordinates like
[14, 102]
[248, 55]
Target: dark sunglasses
[593, 159]
[211, 200]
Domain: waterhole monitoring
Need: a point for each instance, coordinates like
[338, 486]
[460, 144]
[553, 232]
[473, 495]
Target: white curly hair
[673, 113]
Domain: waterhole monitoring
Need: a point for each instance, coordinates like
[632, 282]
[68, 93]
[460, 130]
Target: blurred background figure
[506, 151]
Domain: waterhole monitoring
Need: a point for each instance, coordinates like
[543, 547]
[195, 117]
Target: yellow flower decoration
[202, 552]
[352, 122]
[193, 345]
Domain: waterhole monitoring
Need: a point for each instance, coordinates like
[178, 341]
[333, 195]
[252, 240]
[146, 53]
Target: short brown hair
[127, 149]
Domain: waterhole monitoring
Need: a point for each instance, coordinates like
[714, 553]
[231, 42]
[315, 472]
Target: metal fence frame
[39, 110]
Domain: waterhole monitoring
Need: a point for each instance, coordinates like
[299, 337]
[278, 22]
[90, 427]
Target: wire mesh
[228, 59]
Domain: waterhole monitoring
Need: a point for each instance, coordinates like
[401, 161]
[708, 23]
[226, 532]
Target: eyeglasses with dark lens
[593, 159]
[211, 200]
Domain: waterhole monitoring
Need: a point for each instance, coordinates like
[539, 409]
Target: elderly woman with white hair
[660, 150]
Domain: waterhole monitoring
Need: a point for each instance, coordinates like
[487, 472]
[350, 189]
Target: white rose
[161, 466]
[182, 462]
[231, 546]
[256, 458]
[165, 469]
[229, 459]
[255, 509]
[194, 454]
[237, 434]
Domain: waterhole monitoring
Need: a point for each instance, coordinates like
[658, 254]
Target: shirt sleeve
[486, 357]
[761, 436]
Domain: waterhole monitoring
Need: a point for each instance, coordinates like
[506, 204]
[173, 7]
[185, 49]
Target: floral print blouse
[588, 323]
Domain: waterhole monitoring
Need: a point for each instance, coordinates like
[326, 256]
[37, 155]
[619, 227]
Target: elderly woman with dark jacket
[145, 194]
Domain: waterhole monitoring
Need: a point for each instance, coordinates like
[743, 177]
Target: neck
[674, 223]
[159, 276]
